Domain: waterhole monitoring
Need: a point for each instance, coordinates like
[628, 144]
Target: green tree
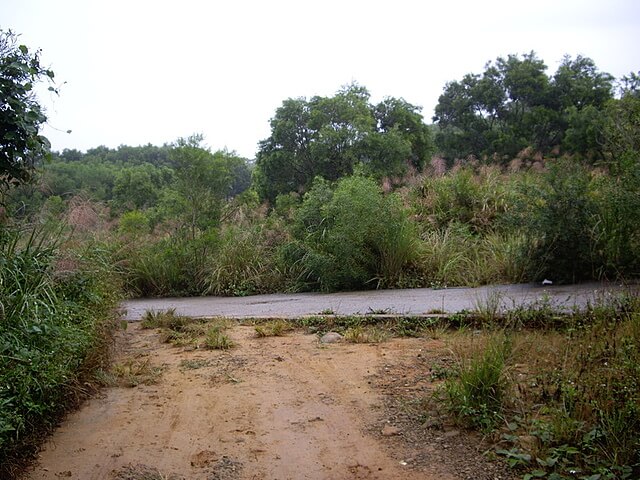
[514, 104]
[202, 181]
[329, 136]
[139, 186]
[21, 145]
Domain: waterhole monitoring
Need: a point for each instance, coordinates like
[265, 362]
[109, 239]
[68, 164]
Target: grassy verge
[558, 393]
[56, 319]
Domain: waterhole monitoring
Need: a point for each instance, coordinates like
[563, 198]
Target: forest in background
[522, 176]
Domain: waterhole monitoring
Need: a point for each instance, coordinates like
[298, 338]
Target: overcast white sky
[150, 71]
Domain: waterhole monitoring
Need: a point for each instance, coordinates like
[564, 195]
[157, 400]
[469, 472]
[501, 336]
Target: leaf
[512, 426]
[548, 462]
[538, 473]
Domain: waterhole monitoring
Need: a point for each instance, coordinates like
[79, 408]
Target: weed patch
[273, 328]
[216, 339]
[476, 395]
[131, 373]
[366, 334]
[564, 400]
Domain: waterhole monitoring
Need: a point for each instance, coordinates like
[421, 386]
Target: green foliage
[366, 334]
[201, 183]
[134, 223]
[163, 319]
[571, 408]
[244, 264]
[558, 221]
[273, 328]
[93, 179]
[478, 198]
[476, 394]
[216, 339]
[169, 266]
[54, 315]
[139, 187]
[330, 136]
[454, 256]
[592, 423]
[21, 146]
[514, 105]
[344, 243]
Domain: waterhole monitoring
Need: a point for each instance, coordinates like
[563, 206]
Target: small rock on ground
[331, 337]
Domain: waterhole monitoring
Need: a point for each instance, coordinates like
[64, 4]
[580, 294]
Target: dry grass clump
[273, 328]
[131, 373]
[366, 334]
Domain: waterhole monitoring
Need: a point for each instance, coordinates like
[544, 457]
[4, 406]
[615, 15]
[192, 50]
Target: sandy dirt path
[270, 408]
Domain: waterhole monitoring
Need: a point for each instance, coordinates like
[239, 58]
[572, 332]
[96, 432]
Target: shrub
[616, 229]
[359, 238]
[558, 220]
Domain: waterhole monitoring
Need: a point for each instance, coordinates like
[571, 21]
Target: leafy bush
[616, 229]
[353, 237]
[557, 218]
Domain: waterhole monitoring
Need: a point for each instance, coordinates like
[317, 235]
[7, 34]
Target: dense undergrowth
[472, 225]
[57, 296]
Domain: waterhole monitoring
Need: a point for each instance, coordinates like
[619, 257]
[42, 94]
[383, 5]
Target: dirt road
[410, 301]
[270, 408]
[280, 407]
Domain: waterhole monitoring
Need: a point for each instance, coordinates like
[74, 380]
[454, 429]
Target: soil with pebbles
[282, 408]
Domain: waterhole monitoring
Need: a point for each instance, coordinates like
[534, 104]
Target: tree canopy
[514, 104]
[329, 136]
[21, 145]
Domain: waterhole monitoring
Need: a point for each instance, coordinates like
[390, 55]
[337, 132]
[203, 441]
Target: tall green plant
[558, 219]
[359, 238]
[476, 394]
[54, 306]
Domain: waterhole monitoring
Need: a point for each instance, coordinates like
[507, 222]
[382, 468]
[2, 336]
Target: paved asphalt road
[409, 302]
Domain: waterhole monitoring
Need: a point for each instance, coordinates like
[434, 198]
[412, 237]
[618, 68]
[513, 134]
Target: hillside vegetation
[521, 177]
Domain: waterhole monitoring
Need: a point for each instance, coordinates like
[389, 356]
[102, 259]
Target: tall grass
[245, 263]
[453, 256]
[55, 308]
[475, 395]
[570, 404]
[472, 225]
